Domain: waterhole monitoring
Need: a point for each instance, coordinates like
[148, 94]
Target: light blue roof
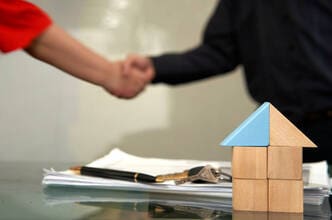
[254, 131]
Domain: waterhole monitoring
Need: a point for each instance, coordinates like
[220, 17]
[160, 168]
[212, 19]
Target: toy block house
[267, 162]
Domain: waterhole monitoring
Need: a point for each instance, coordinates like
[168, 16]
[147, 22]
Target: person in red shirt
[25, 26]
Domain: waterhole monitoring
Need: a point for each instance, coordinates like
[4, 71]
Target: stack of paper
[316, 181]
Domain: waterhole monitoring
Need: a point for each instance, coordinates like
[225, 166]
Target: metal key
[197, 174]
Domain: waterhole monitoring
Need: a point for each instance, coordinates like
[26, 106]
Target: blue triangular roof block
[254, 131]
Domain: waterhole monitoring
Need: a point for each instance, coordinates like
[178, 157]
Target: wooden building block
[247, 215]
[249, 162]
[284, 163]
[284, 133]
[250, 194]
[285, 216]
[285, 196]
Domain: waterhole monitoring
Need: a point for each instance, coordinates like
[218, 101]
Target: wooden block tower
[267, 162]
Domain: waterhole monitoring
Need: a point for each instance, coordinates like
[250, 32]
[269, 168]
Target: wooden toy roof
[267, 127]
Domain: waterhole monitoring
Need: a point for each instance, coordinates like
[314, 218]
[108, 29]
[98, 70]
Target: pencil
[114, 174]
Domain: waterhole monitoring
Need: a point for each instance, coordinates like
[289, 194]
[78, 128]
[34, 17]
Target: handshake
[129, 77]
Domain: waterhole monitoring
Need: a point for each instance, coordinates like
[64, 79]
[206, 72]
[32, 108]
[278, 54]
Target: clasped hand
[129, 77]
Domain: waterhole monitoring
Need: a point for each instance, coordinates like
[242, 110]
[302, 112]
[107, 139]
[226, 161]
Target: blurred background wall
[46, 115]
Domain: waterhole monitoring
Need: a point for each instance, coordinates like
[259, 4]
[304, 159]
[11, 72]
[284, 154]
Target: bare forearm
[59, 49]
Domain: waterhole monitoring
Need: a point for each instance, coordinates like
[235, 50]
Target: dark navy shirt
[285, 47]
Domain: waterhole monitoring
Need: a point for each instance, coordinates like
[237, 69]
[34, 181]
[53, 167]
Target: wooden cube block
[250, 194]
[285, 196]
[247, 215]
[249, 162]
[284, 163]
[285, 216]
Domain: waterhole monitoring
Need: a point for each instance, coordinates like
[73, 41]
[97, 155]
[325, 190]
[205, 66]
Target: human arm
[25, 26]
[216, 54]
[54, 46]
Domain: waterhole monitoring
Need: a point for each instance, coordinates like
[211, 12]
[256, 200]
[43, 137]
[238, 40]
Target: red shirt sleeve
[20, 23]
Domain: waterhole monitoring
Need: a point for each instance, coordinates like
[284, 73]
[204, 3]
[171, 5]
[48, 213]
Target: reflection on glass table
[167, 205]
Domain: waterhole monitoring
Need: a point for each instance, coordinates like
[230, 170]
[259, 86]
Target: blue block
[254, 131]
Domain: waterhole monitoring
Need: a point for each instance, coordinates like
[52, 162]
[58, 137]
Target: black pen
[196, 174]
[114, 174]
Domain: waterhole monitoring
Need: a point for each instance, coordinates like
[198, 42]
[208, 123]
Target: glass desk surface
[23, 197]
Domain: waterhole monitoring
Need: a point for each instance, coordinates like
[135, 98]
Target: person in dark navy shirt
[285, 48]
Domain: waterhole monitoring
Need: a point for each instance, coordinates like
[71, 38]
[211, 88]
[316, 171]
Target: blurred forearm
[59, 49]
